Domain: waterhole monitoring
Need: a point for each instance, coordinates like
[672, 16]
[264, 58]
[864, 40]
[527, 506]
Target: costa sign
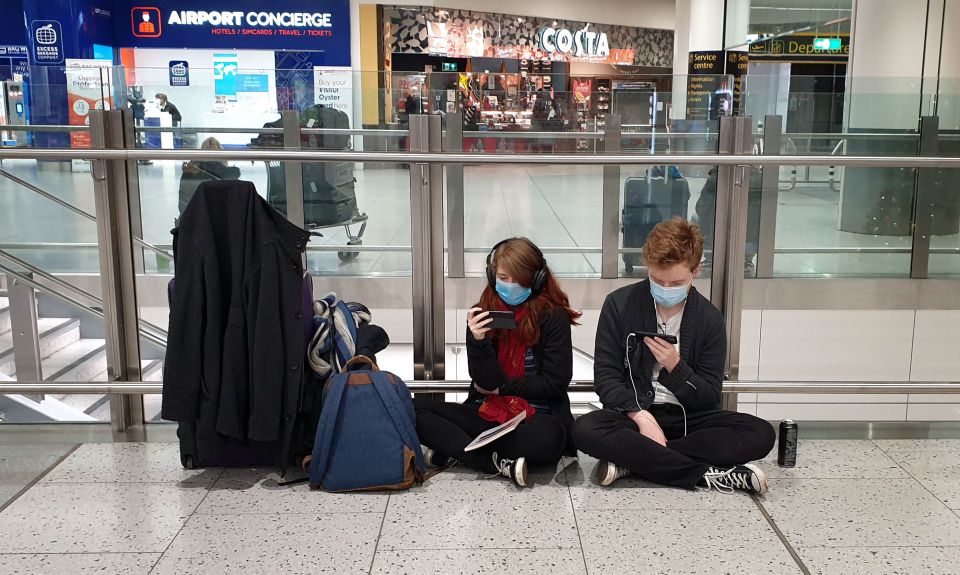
[582, 43]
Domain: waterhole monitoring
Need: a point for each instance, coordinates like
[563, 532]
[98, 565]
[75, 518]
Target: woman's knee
[761, 436]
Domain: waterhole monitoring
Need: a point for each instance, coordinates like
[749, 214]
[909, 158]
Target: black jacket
[235, 350]
[554, 357]
[697, 379]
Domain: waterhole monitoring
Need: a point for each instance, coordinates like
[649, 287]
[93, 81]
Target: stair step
[152, 370]
[79, 361]
[55, 334]
[4, 315]
[97, 406]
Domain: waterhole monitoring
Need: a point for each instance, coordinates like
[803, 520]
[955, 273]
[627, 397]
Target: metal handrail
[457, 386]
[460, 158]
[154, 338]
[67, 205]
[42, 128]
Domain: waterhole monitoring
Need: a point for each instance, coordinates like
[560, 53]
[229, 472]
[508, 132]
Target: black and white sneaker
[749, 478]
[608, 472]
[433, 459]
[513, 469]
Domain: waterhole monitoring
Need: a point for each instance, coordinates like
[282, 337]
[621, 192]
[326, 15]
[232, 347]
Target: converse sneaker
[749, 478]
[433, 459]
[515, 470]
[608, 472]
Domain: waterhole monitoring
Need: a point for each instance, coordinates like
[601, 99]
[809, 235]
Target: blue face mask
[512, 293]
[669, 297]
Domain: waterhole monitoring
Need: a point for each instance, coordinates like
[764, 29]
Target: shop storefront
[506, 72]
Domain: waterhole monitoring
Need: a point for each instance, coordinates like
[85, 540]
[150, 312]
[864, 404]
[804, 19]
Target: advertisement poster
[582, 91]
[333, 87]
[225, 76]
[87, 89]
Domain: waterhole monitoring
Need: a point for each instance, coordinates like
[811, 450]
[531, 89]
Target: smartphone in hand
[502, 320]
[671, 339]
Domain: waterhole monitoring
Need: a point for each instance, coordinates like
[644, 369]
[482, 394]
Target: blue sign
[321, 26]
[179, 73]
[225, 75]
[253, 83]
[46, 37]
[101, 52]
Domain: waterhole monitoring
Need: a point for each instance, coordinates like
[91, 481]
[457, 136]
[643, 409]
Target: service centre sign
[316, 25]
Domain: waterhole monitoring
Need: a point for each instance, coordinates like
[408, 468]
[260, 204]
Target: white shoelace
[502, 465]
[621, 472]
[727, 481]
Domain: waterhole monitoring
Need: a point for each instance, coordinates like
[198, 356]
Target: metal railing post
[437, 333]
[456, 267]
[733, 188]
[27, 358]
[133, 191]
[772, 141]
[117, 268]
[293, 171]
[927, 188]
[610, 231]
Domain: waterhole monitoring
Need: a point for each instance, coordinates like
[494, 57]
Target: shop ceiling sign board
[464, 33]
[320, 25]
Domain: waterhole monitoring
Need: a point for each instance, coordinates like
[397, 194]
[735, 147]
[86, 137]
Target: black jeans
[449, 427]
[714, 438]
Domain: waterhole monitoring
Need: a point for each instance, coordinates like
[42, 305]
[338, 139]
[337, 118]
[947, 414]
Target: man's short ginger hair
[672, 242]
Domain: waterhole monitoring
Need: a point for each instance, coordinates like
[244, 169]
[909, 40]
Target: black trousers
[714, 438]
[449, 427]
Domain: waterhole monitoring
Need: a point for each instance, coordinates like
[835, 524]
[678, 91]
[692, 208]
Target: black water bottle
[787, 446]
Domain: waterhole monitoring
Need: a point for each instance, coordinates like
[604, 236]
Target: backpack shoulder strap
[336, 386]
[390, 396]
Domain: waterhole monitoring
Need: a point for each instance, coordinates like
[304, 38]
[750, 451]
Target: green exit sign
[449, 66]
[826, 43]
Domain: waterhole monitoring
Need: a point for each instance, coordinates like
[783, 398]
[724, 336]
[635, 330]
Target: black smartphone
[502, 320]
[671, 339]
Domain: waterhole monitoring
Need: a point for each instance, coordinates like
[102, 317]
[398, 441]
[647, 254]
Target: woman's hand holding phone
[478, 322]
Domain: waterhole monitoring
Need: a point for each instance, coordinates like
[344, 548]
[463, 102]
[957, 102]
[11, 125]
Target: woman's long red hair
[519, 259]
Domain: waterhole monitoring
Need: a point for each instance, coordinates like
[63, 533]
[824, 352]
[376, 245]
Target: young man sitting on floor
[661, 419]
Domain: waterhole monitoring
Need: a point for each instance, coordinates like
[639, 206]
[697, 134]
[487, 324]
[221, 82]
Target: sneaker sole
[761, 478]
[520, 472]
[605, 474]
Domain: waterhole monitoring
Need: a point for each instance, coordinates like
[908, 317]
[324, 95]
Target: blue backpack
[367, 437]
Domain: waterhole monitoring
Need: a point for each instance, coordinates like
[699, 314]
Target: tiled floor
[849, 507]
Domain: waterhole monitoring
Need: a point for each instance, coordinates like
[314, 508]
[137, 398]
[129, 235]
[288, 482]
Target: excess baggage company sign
[318, 26]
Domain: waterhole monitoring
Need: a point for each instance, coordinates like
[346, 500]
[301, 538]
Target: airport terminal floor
[73, 501]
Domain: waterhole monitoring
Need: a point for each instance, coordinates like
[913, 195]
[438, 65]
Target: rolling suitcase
[647, 201]
[202, 446]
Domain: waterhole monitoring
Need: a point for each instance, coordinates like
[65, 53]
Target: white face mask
[160, 103]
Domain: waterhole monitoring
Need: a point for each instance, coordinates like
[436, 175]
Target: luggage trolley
[325, 206]
[329, 188]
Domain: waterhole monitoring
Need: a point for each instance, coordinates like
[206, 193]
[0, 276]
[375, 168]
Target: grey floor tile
[78, 563]
[96, 517]
[241, 491]
[886, 560]
[938, 471]
[859, 513]
[287, 544]
[481, 561]
[20, 465]
[450, 513]
[631, 493]
[128, 463]
[836, 459]
[692, 541]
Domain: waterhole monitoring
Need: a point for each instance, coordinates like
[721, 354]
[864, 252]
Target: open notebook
[491, 435]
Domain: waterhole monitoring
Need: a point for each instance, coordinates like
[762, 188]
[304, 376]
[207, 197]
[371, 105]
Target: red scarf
[512, 352]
